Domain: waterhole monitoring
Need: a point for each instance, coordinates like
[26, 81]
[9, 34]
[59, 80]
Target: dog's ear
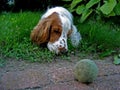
[40, 33]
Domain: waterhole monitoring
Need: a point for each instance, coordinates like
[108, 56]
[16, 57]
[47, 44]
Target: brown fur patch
[56, 27]
[47, 30]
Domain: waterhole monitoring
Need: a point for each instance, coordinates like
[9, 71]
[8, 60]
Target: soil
[56, 75]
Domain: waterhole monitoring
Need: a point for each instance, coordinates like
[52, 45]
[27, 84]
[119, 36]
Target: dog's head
[50, 30]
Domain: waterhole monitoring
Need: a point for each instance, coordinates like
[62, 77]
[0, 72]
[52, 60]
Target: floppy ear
[40, 33]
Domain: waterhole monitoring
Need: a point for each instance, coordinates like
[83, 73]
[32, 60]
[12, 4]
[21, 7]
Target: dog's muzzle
[59, 46]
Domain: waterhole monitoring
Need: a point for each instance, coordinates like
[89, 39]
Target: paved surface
[58, 75]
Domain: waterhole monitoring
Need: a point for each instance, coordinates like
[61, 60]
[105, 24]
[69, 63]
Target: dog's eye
[57, 31]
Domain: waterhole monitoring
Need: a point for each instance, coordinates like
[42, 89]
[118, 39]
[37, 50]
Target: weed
[2, 62]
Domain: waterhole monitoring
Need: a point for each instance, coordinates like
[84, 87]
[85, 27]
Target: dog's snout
[63, 50]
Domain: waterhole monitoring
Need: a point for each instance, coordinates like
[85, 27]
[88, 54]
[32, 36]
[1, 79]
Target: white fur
[67, 24]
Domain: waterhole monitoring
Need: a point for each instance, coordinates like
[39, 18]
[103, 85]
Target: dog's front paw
[75, 39]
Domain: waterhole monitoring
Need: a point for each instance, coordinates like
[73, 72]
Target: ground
[56, 75]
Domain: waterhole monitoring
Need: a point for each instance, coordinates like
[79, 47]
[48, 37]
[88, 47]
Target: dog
[54, 28]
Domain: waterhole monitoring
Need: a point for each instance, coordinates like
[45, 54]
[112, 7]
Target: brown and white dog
[54, 27]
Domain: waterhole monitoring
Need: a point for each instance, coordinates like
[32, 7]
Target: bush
[85, 8]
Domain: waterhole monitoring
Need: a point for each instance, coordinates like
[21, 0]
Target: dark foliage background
[32, 5]
[3, 5]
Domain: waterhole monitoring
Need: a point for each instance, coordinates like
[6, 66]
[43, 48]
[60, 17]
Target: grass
[15, 41]
[100, 37]
[2, 62]
[15, 28]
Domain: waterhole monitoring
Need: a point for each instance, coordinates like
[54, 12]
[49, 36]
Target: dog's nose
[63, 50]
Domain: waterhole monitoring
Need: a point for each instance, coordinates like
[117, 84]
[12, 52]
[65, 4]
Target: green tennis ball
[85, 71]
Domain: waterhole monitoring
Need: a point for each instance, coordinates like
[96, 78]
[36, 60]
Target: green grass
[100, 36]
[15, 28]
[15, 41]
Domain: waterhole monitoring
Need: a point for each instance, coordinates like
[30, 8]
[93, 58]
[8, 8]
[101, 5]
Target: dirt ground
[56, 75]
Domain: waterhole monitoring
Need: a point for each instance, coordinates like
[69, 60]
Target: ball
[85, 71]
